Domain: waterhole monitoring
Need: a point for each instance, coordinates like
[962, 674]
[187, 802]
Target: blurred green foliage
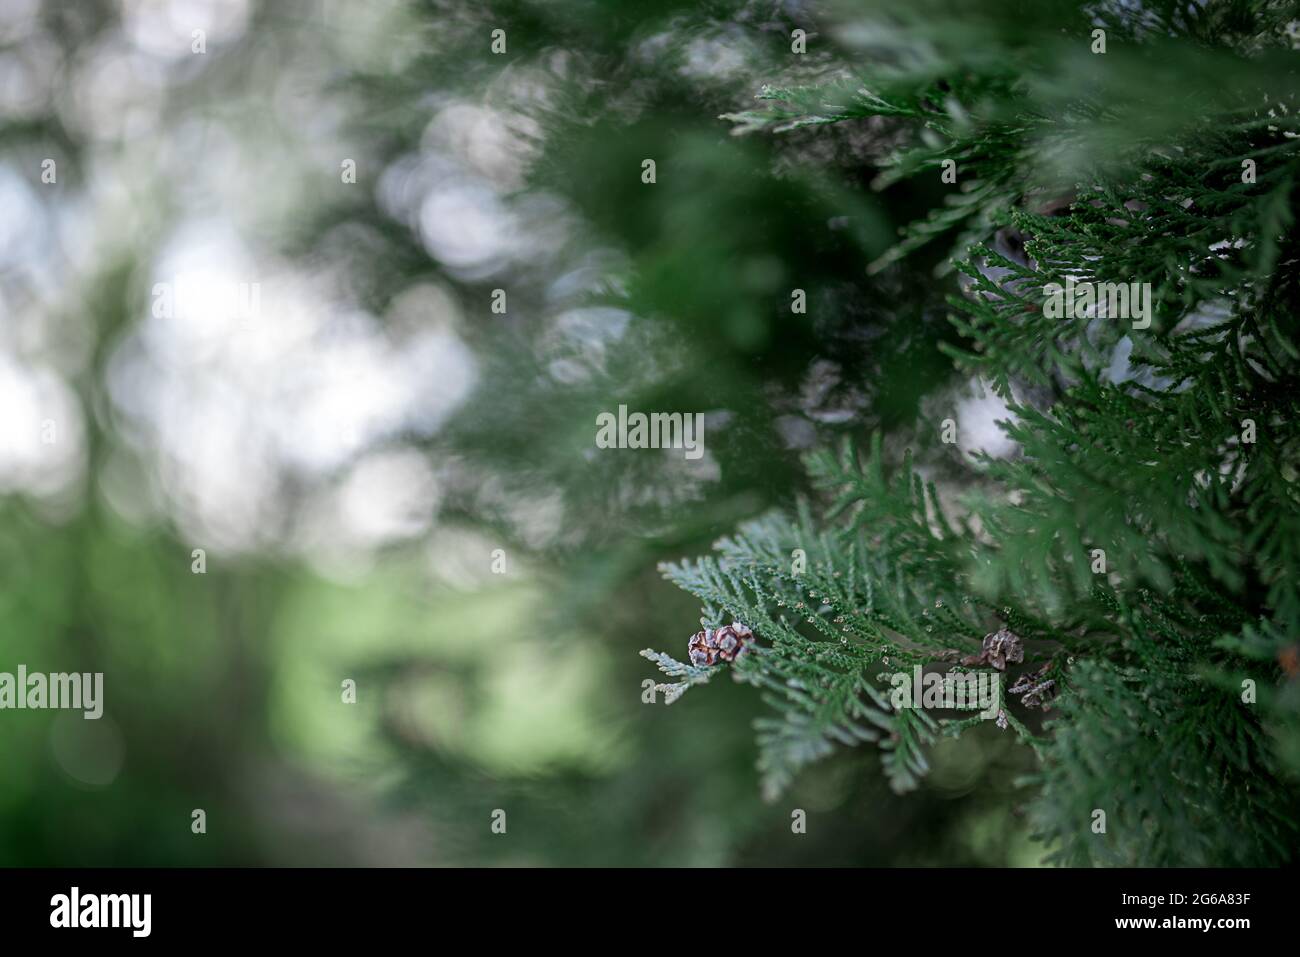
[477, 692]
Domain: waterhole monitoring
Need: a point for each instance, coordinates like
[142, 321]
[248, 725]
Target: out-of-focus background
[248, 261]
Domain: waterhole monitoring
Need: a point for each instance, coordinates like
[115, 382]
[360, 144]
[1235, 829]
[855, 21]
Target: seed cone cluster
[710, 646]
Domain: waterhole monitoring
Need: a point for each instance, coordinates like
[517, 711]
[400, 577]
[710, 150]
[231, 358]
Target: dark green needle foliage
[1142, 540]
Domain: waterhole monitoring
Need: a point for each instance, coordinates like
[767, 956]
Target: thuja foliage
[1143, 542]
